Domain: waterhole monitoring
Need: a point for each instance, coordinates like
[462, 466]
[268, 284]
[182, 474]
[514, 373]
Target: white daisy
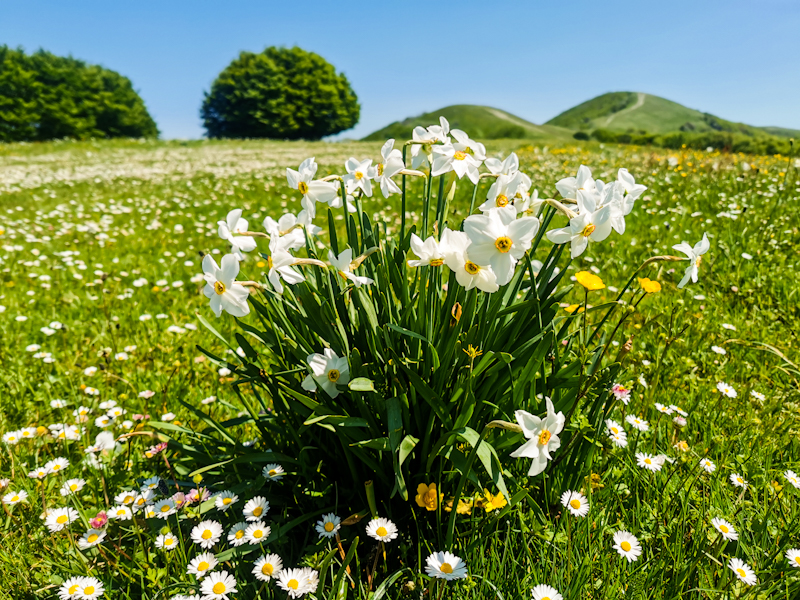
[648, 461]
[164, 508]
[91, 538]
[201, 564]
[256, 508]
[444, 565]
[273, 472]
[382, 530]
[620, 439]
[743, 571]
[793, 556]
[166, 541]
[225, 500]
[545, 592]
[12, 498]
[328, 526]
[236, 534]
[294, 582]
[89, 589]
[206, 534]
[637, 423]
[575, 502]
[667, 410]
[121, 513]
[125, 497]
[150, 484]
[614, 427]
[627, 545]
[726, 390]
[218, 585]
[69, 588]
[257, 533]
[758, 395]
[725, 528]
[60, 518]
[738, 480]
[792, 478]
[708, 466]
[267, 567]
[72, 486]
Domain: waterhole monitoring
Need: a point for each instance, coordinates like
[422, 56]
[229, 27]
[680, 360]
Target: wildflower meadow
[425, 368]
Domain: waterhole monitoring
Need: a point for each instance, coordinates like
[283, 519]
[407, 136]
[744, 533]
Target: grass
[84, 223]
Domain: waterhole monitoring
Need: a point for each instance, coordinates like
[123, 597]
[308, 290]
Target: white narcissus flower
[224, 293]
[499, 239]
[280, 264]
[434, 133]
[343, 264]
[463, 143]
[502, 192]
[231, 229]
[312, 191]
[384, 171]
[446, 158]
[359, 176]
[469, 274]
[289, 229]
[695, 255]
[542, 436]
[509, 166]
[327, 370]
[591, 222]
[430, 252]
[570, 186]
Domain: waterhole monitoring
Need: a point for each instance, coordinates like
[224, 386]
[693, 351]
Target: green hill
[639, 112]
[481, 122]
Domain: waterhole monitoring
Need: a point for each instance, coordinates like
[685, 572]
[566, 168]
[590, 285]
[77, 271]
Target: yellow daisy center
[267, 569]
[207, 534]
[273, 472]
[740, 480]
[503, 244]
[203, 566]
[647, 461]
[626, 546]
[258, 534]
[797, 559]
[303, 187]
[257, 511]
[446, 568]
[88, 590]
[614, 430]
[73, 589]
[741, 573]
[588, 230]
[333, 375]
[436, 262]
[329, 526]
[165, 508]
[219, 288]
[723, 528]
[381, 531]
[92, 538]
[544, 437]
[73, 487]
[575, 503]
[168, 542]
[218, 588]
[61, 519]
[501, 200]
[227, 501]
[471, 268]
[56, 467]
[239, 534]
[15, 499]
[293, 583]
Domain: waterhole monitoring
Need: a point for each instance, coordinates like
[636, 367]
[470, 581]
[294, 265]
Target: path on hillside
[512, 119]
[639, 102]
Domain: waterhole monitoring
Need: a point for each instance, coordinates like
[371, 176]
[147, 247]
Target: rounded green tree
[44, 96]
[284, 93]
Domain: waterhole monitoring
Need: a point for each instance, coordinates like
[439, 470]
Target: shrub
[44, 96]
[280, 93]
[581, 135]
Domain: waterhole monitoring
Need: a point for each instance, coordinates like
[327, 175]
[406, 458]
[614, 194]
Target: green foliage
[483, 122]
[717, 140]
[582, 115]
[44, 96]
[283, 93]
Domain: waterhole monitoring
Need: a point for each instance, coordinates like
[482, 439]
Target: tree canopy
[283, 93]
[44, 96]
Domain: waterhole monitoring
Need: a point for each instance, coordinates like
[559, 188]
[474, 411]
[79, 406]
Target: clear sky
[738, 60]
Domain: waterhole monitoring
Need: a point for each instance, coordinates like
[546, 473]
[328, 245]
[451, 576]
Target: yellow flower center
[626, 546]
[329, 526]
[15, 499]
[203, 566]
[380, 169]
[698, 260]
[359, 175]
[544, 437]
[73, 589]
[273, 472]
[227, 501]
[219, 288]
[257, 511]
[501, 200]
[614, 430]
[165, 508]
[88, 590]
[267, 569]
[797, 559]
[73, 487]
[740, 480]
[218, 588]
[207, 534]
[575, 503]
[647, 461]
[168, 542]
[239, 534]
[293, 584]
[303, 187]
[588, 230]
[61, 519]
[446, 568]
[92, 538]
[56, 467]
[723, 528]
[381, 531]
[741, 573]
[503, 244]
[471, 268]
[436, 262]
[270, 264]
[258, 534]
[460, 155]
[333, 375]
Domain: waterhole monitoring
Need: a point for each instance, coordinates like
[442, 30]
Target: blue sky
[737, 60]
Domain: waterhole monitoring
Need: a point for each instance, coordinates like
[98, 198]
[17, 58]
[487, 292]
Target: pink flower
[147, 394]
[154, 450]
[99, 521]
[179, 498]
[621, 393]
[197, 495]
